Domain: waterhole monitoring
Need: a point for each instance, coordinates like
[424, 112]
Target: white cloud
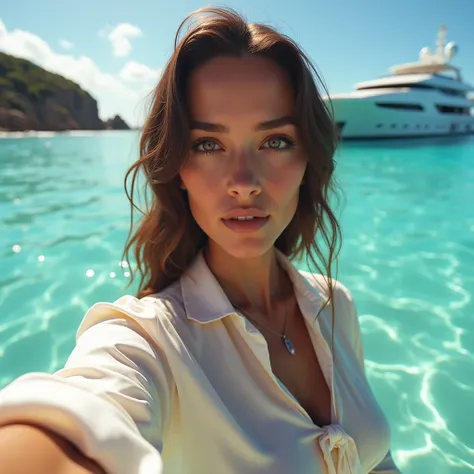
[120, 37]
[137, 72]
[113, 94]
[66, 44]
[3, 31]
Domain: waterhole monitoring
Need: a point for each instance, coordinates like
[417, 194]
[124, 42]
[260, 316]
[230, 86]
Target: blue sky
[115, 49]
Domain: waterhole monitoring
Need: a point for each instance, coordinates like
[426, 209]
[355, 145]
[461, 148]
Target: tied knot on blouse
[339, 451]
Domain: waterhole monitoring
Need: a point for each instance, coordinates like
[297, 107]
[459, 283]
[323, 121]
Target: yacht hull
[401, 114]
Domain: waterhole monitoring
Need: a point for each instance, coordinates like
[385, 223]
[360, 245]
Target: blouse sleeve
[112, 399]
[387, 465]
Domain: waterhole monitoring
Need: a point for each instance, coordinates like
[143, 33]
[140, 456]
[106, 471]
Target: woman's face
[245, 157]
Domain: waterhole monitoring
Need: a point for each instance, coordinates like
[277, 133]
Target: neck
[256, 284]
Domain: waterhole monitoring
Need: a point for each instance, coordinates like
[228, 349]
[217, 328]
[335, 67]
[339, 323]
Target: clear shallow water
[408, 258]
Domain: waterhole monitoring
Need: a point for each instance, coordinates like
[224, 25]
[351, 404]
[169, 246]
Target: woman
[230, 360]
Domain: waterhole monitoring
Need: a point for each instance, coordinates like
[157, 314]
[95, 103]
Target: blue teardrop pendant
[288, 345]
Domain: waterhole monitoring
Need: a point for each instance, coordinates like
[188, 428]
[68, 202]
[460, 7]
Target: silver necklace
[288, 344]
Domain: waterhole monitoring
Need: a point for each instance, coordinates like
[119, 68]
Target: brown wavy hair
[167, 237]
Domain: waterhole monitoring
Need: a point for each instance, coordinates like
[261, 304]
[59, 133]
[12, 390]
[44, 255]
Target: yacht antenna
[441, 43]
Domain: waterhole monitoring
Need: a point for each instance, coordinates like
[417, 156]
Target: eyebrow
[268, 125]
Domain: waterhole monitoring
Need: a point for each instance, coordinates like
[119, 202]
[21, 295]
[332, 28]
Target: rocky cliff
[32, 98]
[116, 123]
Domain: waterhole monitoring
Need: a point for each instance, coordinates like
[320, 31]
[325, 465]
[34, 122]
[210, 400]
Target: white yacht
[426, 98]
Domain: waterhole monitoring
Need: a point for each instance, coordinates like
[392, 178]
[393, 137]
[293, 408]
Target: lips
[246, 225]
[247, 213]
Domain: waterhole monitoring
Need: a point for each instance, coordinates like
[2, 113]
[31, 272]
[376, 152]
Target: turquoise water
[408, 257]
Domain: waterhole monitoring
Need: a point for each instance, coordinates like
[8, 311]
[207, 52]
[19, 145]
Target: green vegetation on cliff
[25, 78]
[32, 98]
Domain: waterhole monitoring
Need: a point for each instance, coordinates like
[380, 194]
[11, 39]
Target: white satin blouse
[179, 383]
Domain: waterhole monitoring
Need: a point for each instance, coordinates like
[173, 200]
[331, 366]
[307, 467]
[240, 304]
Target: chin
[247, 248]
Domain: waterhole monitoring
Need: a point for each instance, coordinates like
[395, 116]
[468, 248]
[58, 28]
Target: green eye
[279, 143]
[275, 143]
[207, 146]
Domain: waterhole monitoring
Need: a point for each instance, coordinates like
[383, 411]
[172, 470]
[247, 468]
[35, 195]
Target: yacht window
[449, 109]
[396, 86]
[453, 92]
[399, 105]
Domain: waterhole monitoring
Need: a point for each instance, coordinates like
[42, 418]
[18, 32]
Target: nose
[243, 180]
